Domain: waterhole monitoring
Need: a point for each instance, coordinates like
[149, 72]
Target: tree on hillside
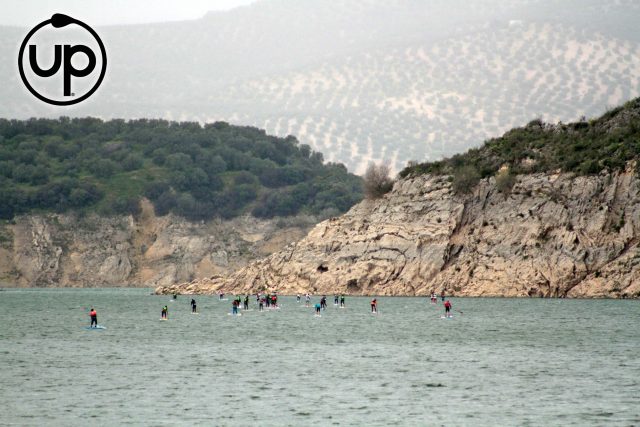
[377, 181]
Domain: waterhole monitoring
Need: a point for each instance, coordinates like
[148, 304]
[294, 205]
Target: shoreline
[153, 292]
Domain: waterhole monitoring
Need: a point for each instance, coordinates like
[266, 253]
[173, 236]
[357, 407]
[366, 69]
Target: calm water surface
[502, 362]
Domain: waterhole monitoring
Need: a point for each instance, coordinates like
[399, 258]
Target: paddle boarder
[447, 308]
[94, 318]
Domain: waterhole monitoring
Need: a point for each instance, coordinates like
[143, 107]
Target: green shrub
[465, 179]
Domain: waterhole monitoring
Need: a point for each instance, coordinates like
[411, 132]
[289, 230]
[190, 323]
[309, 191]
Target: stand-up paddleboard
[224, 299]
[317, 315]
[231, 314]
[163, 318]
[445, 317]
[195, 312]
[98, 328]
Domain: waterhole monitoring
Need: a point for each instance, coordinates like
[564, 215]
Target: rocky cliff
[67, 250]
[553, 235]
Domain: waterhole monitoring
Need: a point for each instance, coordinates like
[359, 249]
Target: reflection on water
[502, 362]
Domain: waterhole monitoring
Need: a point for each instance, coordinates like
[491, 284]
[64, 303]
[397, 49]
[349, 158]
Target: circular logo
[70, 47]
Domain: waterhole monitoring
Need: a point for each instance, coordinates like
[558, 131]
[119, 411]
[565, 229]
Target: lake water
[501, 362]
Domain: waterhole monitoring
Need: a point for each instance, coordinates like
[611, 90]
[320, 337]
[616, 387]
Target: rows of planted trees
[199, 172]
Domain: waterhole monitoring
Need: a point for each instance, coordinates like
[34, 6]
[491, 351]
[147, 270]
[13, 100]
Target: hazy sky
[27, 13]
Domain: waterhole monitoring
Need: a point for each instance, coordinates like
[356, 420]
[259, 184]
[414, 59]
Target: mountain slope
[375, 80]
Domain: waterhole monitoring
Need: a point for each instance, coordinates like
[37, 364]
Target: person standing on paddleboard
[447, 308]
[193, 306]
[342, 300]
[234, 308]
[374, 306]
[246, 302]
[94, 318]
[165, 312]
[318, 306]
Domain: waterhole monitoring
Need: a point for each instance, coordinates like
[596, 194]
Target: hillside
[198, 172]
[366, 80]
[585, 147]
[563, 230]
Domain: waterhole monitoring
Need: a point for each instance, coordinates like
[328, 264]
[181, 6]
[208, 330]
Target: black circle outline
[53, 101]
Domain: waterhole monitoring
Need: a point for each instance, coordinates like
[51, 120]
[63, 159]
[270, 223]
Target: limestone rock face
[67, 250]
[554, 235]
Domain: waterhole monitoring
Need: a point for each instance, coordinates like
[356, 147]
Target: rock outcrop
[67, 250]
[553, 235]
